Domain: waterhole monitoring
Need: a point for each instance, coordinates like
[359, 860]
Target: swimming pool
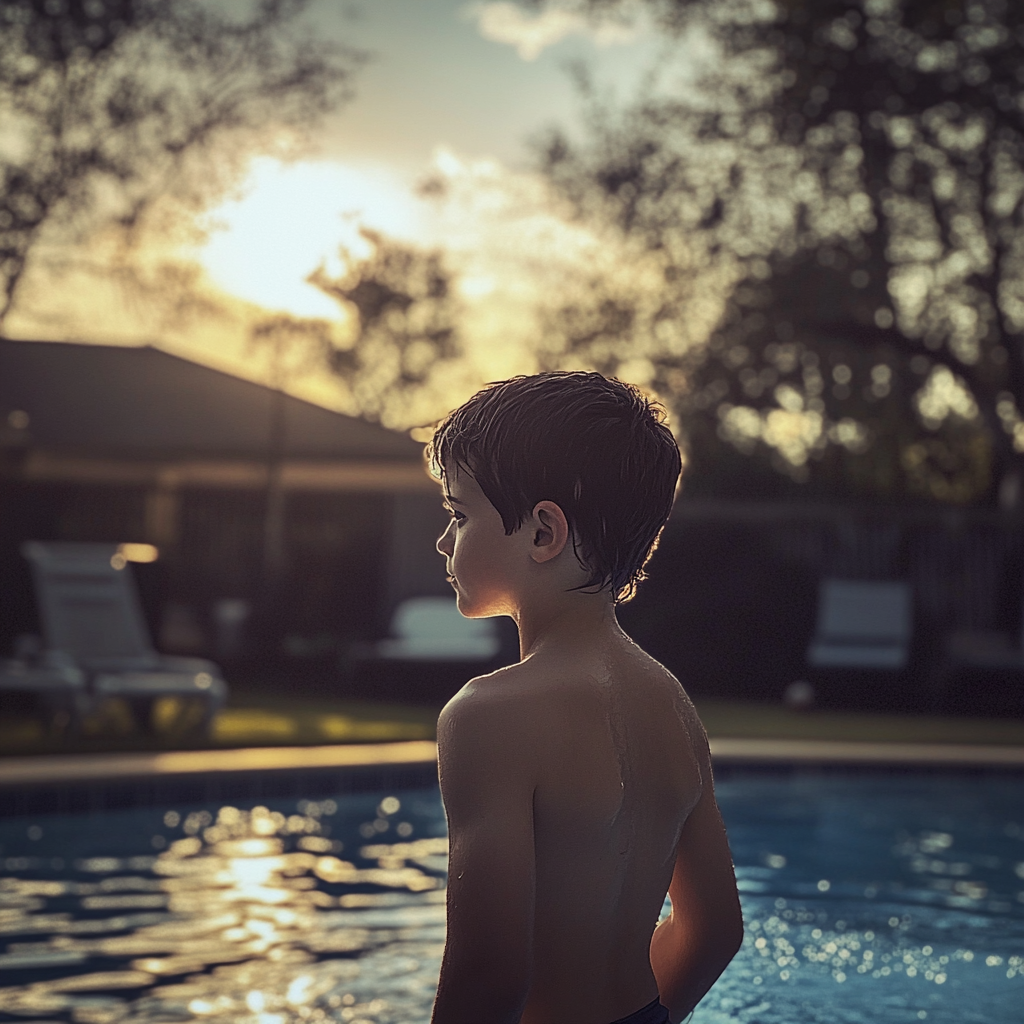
[867, 897]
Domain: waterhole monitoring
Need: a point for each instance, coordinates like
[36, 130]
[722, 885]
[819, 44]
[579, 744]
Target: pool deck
[87, 768]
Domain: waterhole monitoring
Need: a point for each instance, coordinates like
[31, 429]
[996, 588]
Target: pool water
[875, 898]
[867, 898]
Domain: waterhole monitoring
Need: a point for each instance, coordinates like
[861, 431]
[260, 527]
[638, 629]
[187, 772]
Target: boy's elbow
[732, 939]
[689, 955]
[720, 944]
[719, 948]
[728, 937]
[734, 929]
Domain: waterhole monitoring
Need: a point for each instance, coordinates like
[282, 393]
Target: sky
[476, 77]
[449, 88]
[466, 84]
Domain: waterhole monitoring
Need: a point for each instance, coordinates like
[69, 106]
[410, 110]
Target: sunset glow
[292, 218]
[450, 95]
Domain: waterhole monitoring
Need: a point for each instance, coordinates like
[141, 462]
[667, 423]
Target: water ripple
[865, 898]
[245, 915]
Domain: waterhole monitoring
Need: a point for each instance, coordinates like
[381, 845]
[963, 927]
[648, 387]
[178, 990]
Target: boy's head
[595, 447]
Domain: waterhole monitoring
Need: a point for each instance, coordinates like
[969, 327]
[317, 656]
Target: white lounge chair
[57, 686]
[431, 653]
[91, 614]
[862, 624]
[433, 629]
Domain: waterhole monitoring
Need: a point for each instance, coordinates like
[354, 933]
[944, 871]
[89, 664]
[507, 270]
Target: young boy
[577, 782]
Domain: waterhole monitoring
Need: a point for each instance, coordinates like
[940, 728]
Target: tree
[108, 105]
[853, 171]
[403, 317]
[396, 339]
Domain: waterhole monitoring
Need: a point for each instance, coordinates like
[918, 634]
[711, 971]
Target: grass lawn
[248, 720]
[252, 720]
[776, 721]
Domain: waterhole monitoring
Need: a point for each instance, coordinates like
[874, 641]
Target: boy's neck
[574, 621]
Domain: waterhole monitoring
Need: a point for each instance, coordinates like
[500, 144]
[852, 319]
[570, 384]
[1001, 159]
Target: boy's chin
[471, 609]
[466, 606]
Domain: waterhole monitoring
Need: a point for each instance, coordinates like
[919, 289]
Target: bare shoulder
[658, 678]
[679, 716]
[488, 719]
[486, 699]
[687, 713]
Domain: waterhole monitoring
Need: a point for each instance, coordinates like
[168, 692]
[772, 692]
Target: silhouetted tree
[398, 334]
[849, 172]
[108, 104]
[403, 325]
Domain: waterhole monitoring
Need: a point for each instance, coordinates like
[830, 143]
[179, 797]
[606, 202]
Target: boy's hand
[488, 797]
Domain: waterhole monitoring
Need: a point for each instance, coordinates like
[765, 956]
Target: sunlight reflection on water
[866, 898]
[245, 916]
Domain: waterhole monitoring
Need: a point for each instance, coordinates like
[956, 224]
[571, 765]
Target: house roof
[113, 401]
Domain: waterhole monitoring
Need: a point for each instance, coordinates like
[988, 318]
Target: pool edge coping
[78, 768]
[86, 768]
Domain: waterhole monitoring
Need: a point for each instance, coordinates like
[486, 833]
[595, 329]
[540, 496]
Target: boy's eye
[454, 513]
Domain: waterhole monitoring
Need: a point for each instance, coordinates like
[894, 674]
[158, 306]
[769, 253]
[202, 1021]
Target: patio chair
[91, 614]
[51, 681]
[433, 629]
[431, 653]
[992, 657]
[862, 624]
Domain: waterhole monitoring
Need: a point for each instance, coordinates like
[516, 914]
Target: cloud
[522, 256]
[532, 33]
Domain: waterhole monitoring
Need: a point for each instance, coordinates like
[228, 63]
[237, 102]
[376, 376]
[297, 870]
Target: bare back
[615, 776]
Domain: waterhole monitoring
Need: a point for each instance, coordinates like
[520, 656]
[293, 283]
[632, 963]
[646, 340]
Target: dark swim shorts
[652, 1013]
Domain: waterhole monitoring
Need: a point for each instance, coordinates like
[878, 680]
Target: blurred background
[249, 251]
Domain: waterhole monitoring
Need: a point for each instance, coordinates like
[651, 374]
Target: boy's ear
[549, 531]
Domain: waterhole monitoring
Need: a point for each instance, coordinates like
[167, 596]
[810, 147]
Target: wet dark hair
[595, 446]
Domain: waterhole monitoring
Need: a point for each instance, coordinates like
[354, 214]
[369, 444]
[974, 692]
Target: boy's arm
[488, 797]
[691, 947]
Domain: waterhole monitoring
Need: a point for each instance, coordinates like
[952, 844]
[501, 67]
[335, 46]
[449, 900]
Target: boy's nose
[444, 543]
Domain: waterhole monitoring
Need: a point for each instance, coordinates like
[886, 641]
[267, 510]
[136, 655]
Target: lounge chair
[91, 614]
[51, 681]
[431, 653]
[433, 629]
[994, 659]
[862, 624]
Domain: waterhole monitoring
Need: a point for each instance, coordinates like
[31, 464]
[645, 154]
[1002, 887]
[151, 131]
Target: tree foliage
[850, 174]
[404, 325]
[108, 104]
[397, 338]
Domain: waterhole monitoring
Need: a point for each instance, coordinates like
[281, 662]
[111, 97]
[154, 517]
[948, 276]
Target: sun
[291, 218]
